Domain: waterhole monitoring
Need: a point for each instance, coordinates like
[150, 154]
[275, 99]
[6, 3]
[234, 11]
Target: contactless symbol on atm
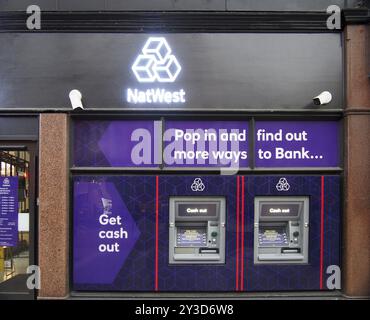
[156, 63]
[198, 185]
[283, 185]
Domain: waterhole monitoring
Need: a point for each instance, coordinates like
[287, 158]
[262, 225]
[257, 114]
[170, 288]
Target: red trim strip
[242, 242]
[156, 232]
[237, 234]
[322, 234]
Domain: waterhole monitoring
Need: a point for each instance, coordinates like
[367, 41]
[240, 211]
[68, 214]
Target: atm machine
[197, 230]
[281, 229]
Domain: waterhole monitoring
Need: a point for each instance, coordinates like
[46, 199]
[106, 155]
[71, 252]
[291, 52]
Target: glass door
[17, 215]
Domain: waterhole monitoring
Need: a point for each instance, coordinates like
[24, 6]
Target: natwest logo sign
[155, 64]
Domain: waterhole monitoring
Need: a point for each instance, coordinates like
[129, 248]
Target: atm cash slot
[208, 250]
[290, 250]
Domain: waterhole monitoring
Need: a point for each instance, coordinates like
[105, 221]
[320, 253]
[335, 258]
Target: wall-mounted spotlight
[76, 99]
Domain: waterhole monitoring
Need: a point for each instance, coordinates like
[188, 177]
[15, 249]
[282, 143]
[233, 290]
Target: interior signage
[8, 211]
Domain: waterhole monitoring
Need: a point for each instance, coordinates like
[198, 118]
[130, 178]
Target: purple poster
[135, 143]
[8, 211]
[206, 144]
[104, 232]
[221, 144]
[297, 144]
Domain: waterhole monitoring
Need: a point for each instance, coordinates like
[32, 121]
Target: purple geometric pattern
[86, 136]
[138, 194]
[197, 277]
[91, 201]
[295, 277]
[137, 272]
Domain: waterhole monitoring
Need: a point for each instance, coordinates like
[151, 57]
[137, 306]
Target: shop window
[14, 235]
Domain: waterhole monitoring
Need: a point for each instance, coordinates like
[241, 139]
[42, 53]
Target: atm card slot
[290, 250]
[209, 250]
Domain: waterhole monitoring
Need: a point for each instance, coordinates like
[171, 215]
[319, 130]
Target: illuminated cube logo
[156, 63]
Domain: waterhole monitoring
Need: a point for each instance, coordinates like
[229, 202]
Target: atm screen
[191, 237]
[197, 210]
[272, 235]
[280, 210]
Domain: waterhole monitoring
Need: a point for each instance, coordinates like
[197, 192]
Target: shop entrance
[17, 219]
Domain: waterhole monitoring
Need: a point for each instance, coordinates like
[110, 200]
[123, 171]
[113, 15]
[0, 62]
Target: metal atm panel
[281, 228]
[197, 230]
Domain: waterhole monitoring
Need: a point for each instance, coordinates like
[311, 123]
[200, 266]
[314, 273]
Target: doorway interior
[17, 218]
